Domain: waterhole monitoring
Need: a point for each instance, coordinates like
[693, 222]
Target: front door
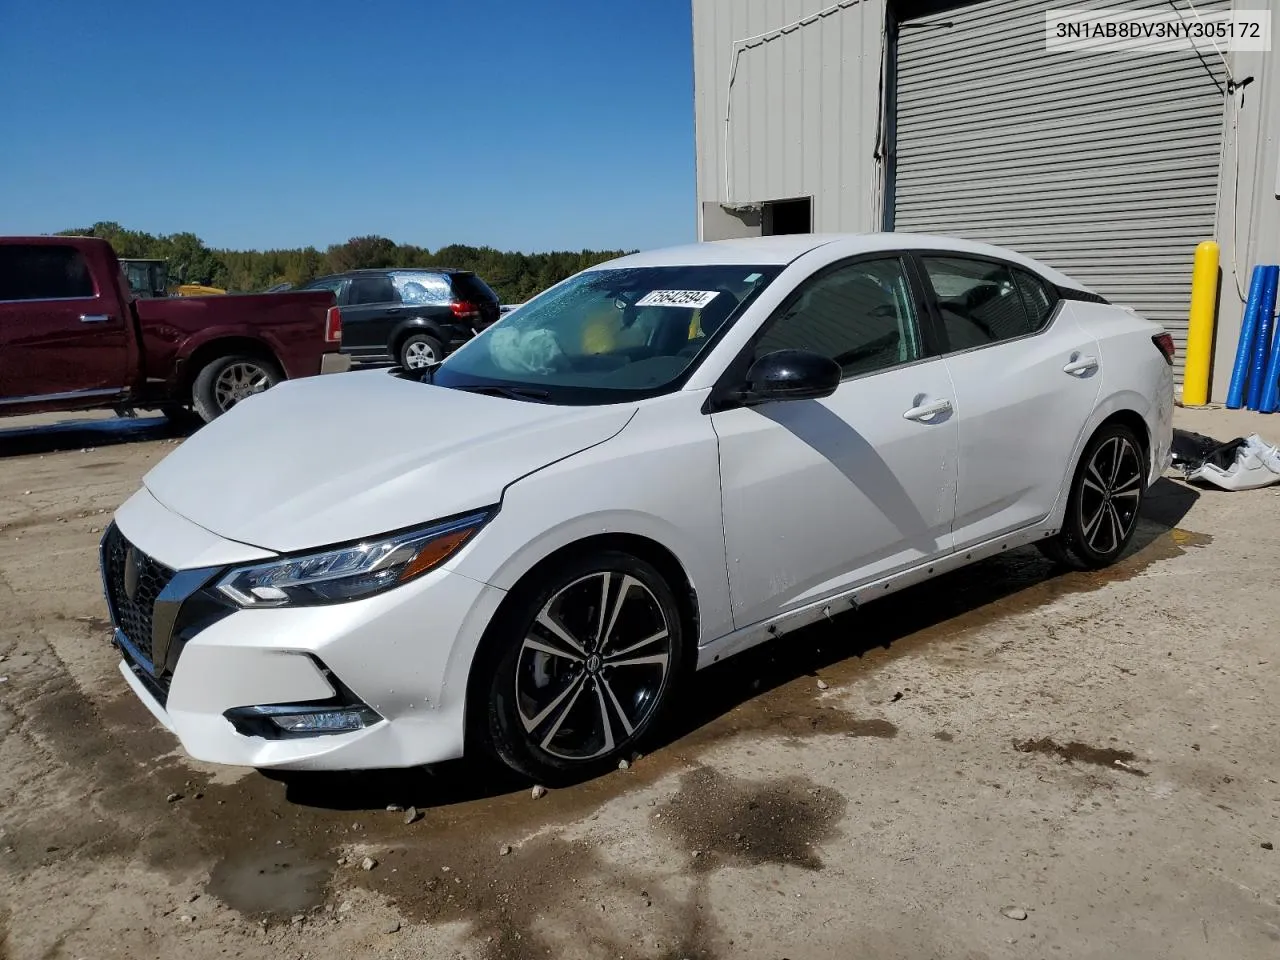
[62, 341]
[821, 495]
[1026, 377]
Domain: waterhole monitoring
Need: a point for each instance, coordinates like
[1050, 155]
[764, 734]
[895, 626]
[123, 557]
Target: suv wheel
[419, 351]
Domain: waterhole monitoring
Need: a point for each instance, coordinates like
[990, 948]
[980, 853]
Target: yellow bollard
[1204, 295]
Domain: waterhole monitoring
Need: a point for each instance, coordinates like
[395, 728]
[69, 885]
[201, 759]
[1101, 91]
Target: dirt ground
[1007, 763]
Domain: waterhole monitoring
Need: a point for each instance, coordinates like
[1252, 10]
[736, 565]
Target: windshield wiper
[511, 393]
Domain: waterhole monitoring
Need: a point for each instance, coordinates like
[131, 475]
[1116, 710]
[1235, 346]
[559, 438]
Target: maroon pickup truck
[73, 337]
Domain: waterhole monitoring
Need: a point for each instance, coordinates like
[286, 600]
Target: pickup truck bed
[73, 337]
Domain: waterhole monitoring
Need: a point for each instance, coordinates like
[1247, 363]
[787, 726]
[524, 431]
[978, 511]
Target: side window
[332, 284]
[1037, 297]
[977, 300]
[429, 288]
[40, 272]
[859, 314]
[373, 290]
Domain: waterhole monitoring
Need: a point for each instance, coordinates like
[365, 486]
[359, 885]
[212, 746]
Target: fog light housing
[287, 721]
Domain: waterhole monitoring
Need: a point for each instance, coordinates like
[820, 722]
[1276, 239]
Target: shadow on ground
[985, 592]
[79, 434]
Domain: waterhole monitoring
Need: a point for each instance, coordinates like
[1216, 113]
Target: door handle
[94, 318]
[1080, 365]
[928, 411]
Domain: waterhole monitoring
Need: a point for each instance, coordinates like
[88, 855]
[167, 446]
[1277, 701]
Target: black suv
[413, 317]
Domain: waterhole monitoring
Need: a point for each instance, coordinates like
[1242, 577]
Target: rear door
[62, 339]
[1026, 378]
[371, 310]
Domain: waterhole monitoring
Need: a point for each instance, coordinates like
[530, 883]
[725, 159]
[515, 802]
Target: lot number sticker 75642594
[692, 299]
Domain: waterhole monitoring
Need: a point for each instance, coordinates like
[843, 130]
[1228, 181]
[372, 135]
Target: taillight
[333, 325]
[464, 310]
[1165, 342]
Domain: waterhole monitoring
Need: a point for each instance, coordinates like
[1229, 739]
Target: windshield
[607, 335]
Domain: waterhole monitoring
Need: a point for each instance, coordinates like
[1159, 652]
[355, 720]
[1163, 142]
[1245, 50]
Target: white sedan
[654, 465]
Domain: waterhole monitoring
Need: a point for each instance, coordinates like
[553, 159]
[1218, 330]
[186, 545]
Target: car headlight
[351, 572]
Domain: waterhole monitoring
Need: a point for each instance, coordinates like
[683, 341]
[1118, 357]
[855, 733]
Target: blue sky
[559, 124]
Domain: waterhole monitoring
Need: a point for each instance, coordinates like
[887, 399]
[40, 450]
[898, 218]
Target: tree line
[515, 277]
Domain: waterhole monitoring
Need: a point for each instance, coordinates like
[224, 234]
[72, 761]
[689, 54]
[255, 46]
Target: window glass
[428, 288]
[373, 290]
[1036, 297]
[977, 300]
[333, 284]
[40, 272]
[610, 331]
[470, 287]
[859, 315]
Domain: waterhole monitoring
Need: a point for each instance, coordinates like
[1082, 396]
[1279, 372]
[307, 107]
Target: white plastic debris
[1257, 464]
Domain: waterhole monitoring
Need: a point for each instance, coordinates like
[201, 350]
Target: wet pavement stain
[1076, 752]
[723, 821]
[872, 728]
[451, 877]
[279, 881]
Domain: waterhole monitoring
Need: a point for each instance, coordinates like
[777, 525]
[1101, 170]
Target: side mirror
[791, 375]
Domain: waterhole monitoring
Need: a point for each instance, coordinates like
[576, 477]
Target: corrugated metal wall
[1248, 204]
[805, 104]
[1104, 165]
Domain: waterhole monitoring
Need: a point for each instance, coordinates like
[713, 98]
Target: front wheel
[581, 667]
[1106, 495]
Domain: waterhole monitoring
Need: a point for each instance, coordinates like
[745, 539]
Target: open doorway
[788, 216]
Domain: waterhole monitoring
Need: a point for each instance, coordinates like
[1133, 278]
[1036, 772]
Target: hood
[332, 459]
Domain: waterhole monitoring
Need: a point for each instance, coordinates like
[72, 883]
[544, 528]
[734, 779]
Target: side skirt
[747, 637]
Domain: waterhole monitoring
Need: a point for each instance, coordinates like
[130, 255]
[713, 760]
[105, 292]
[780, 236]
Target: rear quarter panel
[290, 325]
[1135, 377]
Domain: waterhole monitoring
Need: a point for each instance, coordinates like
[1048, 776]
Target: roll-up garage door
[1104, 165]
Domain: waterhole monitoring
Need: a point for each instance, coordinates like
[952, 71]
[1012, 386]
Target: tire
[1106, 497]
[225, 381]
[179, 415]
[563, 703]
[420, 350]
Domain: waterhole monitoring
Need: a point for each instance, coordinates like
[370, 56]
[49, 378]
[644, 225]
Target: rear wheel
[225, 381]
[420, 351]
[581, 667]
[1106, 495]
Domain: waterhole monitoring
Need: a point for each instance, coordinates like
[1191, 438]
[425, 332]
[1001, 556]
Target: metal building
[948, 117]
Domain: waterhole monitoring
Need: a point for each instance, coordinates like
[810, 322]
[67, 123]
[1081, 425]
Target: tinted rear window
[467, 286]
[43, 273]
[373, 290]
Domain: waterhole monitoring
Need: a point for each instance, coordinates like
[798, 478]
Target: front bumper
[405, 654]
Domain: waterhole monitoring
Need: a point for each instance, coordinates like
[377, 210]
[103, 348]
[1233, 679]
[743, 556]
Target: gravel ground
[1009, 762]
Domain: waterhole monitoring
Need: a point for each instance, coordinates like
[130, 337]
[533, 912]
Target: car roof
[782, 250]
[387, 271]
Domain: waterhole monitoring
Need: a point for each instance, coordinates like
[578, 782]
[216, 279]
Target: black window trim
[722, 396]
[931, 296]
